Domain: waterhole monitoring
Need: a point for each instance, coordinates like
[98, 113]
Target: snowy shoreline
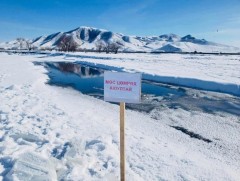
[196, 71]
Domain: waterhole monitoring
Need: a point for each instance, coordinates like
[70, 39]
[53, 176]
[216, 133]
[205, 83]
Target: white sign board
[122, 87]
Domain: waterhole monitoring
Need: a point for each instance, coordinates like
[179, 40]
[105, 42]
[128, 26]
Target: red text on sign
[127, 83]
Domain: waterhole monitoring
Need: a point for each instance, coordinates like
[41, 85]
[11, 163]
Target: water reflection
[85, 79]
[155, 96]
[73, 74]
[80, 70]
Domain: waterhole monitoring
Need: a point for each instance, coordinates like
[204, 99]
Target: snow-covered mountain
[88, 37]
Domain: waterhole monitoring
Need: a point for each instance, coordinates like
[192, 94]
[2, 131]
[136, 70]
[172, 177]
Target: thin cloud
[24, 26]
[126, 10]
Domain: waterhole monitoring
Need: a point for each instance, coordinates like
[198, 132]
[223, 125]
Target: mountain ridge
[87, 38]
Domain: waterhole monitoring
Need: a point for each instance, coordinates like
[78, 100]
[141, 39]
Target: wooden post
[122, 141]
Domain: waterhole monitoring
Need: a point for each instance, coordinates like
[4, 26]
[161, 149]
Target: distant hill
[88, 37]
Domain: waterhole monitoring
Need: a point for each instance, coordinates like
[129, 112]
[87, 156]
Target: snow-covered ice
[208, 72]
[57, 133]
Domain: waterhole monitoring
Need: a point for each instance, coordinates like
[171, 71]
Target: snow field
[56, 133]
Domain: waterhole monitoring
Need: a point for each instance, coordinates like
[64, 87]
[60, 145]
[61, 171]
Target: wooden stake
[122, 141]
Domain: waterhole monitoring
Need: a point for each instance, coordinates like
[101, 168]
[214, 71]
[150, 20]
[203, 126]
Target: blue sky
[214, 20]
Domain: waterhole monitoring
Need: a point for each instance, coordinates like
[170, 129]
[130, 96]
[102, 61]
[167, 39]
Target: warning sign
[122, 87]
